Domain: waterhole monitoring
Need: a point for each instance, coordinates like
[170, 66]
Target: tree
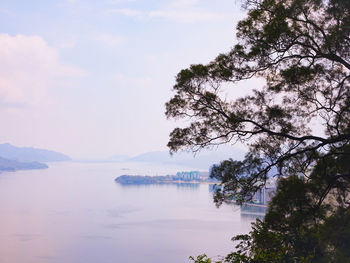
[298, 227]
[301, 48]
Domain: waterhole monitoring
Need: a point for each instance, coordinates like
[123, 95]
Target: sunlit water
[76, 213]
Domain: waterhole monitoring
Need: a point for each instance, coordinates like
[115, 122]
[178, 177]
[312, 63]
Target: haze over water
[76, 213]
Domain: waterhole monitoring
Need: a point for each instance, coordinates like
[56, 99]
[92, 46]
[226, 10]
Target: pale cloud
[185, 11]
[47, 102]
[120, 1]
[182, 3]
[70, 43]
[29, 67]
[5, 11]
[185, 16]
[109, 39]
[132, 81]
[128, 12]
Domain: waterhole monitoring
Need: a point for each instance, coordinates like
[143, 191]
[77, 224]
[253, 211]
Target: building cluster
[188, 176]
[264, 195]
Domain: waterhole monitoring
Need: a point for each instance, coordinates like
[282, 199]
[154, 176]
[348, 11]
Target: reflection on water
[179, 186]
[251, 212]
[213, 188]
[187, 186]
[74, 212]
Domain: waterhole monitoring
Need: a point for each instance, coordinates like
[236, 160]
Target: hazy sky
[90, 78]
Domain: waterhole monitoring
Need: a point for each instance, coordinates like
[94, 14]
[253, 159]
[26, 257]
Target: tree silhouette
[301, 48]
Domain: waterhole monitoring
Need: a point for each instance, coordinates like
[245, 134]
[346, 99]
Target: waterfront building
[264, 195]
[188, 176]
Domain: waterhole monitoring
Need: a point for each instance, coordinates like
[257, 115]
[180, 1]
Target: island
[180, 177]
[29, 154]
[13, 165]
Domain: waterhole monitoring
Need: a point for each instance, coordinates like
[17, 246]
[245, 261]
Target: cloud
[184, 11]
[108, 39]
[129, 12]
[70, 43]
[120, 1]
[185, 16]
[183, 3]
[5, 11]
[132, 81]
[29, 67]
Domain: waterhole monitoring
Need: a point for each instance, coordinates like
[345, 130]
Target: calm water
[76, 213]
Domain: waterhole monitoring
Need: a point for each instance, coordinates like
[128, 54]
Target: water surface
[76, 213]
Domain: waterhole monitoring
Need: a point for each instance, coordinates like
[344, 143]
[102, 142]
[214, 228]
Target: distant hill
[28, 154]
[11, 165]
[119, 158]
[203, 160]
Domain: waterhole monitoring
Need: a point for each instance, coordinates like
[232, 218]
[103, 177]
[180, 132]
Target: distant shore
[7, 165]
[142, 180]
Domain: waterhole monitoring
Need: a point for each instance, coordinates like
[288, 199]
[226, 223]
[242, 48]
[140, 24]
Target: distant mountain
[202, 160]
[28, 154]
[119, 158]
[11, 165]
[153, 157]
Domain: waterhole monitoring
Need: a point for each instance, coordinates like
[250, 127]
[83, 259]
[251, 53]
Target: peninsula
[181, 177]
[12, 165]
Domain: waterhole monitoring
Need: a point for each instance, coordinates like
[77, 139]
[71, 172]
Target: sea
[74, 212]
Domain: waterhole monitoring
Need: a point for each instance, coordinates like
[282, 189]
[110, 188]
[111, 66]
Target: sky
[90, 78]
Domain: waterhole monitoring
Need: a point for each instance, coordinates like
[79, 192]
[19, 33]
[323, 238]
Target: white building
[188, 176]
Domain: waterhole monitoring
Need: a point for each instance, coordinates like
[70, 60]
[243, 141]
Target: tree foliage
[301, 48]
[300, 225]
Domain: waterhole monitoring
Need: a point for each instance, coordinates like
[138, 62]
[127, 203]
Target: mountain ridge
[12, 165]
[202, 160]
[30, 154]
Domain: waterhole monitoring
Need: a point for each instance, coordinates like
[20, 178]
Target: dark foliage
[301, 48]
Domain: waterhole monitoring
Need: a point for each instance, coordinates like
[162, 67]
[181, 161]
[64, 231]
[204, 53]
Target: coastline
[144, 180]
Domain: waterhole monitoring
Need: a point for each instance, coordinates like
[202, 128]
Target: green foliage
[301, 48]
[201, 259]
[301, 225]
